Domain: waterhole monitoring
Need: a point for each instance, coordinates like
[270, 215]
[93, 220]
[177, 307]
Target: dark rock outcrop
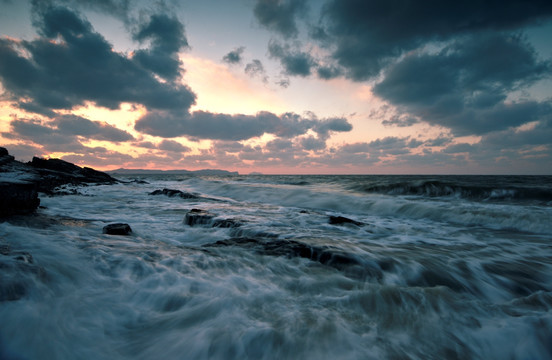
[20, 182]
[117, 229]
[341, 220]
[18, 186]
[325, 255]
[173, 193]
[56, 172]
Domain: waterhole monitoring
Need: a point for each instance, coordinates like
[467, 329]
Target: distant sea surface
[283, 267]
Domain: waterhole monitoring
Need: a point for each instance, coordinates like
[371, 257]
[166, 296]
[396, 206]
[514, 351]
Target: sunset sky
[280, 86]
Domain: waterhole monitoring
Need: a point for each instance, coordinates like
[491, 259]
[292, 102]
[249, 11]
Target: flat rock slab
[117, 229]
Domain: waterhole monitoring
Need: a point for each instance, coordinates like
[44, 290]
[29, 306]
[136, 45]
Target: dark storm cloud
[36, 109]
[206, 125]
[365, 35]
[280, 15]
[73, 64]
[167, 38]
[234, 56]
[463, 87]
[76, 125]
[65, 128]
[329, 72]
[294, 62]
[539, 135]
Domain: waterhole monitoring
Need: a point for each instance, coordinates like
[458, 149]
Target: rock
[18, 187]
[198, 217]
[203, 217]
[20, 182]
[18, 198]
[56, 172]
[172, 193]
[325, 255]
[117, 229]
[341, 220]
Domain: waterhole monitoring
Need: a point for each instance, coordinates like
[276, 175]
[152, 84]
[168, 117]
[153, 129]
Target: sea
[282, 267]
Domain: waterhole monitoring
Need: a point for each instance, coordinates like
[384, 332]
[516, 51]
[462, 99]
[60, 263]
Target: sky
[280, 86]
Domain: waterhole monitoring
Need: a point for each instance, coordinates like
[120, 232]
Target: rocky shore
[21, 182]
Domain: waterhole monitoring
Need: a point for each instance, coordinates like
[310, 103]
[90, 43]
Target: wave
[464, 190]
[437, 201]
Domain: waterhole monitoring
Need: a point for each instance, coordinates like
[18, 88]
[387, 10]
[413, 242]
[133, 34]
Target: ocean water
[429, 267]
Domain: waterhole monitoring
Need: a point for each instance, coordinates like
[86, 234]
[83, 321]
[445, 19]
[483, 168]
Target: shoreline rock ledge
[20, 182]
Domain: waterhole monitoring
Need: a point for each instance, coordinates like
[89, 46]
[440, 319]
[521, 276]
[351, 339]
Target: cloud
[294, 61]
[403, 120]
[464, 86]
[76, 125]
[329, 72]
[325, 126]
[364, 36]
[173, 146]
[73, 64]
[207, 125]
[310, 143]
[64, 130]
[234, 56]
[256, 69]
[280, 15]
[167, 38]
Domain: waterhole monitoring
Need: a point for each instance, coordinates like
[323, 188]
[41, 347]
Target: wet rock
[198, 217]
[173, 193]
[117, 229]
[18, 186]
[325, 255]
[18, 198]
[202, 217]
[341, 220]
